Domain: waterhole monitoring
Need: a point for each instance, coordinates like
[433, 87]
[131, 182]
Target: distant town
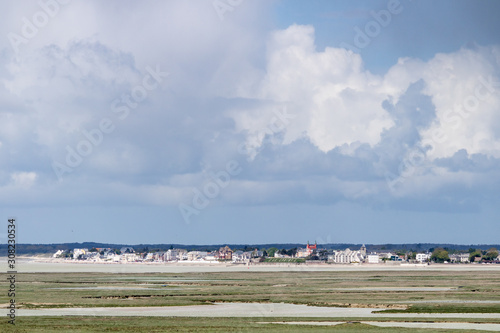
[310, 253]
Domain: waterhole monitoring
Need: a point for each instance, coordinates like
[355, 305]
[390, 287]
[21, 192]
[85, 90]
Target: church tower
[362, 250]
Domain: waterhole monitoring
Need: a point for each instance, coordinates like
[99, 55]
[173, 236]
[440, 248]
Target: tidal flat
[255, 296]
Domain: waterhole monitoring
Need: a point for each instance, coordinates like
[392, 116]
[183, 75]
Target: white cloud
[349, 126]
[336, 101]
[339, 103]
[464, 88]
[23, 179]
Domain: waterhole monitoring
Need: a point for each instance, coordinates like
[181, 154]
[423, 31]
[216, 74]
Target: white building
[461, 257]
[373, 258]
[422, 257]
[112, 256]
[58, 254]
[171, 255]
[196, 255]
[158, 256]
[129, 257]
[210, 257]
[301, 252]
[240, 256]
[79, 252]
[348, 256]
[176, 254]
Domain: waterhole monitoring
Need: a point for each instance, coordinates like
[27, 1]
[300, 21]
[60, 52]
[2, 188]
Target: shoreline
[46, 265]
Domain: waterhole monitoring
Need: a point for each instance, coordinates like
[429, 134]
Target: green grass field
[398, 290]
[207, 325]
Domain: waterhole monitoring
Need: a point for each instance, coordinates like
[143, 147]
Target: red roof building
[311, 248]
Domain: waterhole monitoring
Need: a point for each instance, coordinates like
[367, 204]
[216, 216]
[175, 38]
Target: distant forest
[24, 249]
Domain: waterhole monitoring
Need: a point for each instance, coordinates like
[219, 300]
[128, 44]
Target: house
[106, 253]
[171, 255]
[302, 252]
[158, 256]
[92, 256]
[348, 256]
[175, 254]
[460, 257]
[79, 253]
[373, 259]
[257, 253]
[183, 255]
[111, 256]
[103, 249]
[211, 256]
[57, 254]
[422, 257]
[129, 257]
[279, 255]
[126, 249]
[225, 253]
[240, 256]
[196, 255]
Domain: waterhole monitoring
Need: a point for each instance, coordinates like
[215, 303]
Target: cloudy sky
[228, 121]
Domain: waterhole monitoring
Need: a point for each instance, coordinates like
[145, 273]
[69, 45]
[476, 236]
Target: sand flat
[245, 310]
[47, 266]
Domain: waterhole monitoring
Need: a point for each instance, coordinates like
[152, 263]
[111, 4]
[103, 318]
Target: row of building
[347, 256]
[129, 255]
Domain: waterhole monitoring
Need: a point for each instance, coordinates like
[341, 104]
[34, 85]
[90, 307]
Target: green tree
[440, 255]
[473, 255]
[491, 254]
[271, 251]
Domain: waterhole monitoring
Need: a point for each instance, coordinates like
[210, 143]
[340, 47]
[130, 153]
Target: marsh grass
[331, 288]
[182, 324]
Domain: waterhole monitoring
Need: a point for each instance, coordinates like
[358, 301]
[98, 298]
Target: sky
[237, 121]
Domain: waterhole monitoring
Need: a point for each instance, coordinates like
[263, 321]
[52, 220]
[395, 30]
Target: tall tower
[362, 250]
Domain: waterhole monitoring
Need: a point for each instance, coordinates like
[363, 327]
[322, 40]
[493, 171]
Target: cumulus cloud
[335, 100]
[407, 122]
[338, 102]
[306, 125]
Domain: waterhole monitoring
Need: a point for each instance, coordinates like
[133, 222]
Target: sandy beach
[44, 265]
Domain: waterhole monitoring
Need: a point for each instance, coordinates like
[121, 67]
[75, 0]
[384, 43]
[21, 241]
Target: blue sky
[250, 121]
